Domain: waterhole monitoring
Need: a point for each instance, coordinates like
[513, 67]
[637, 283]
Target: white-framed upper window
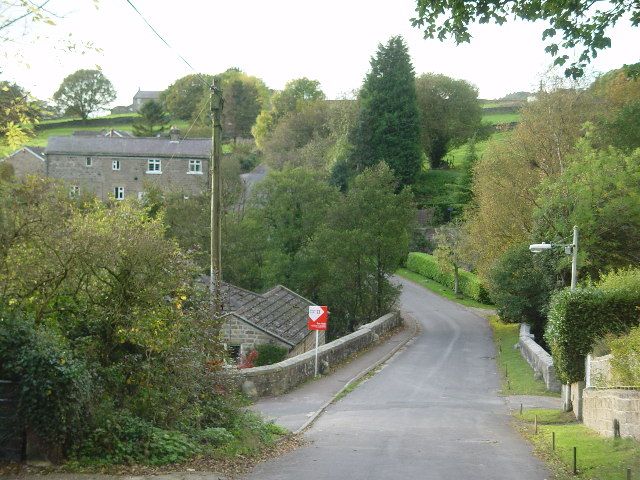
[115, 165]
[118, 193]
[195, 166]
[154, 166]
[89, 161]
[74, 190]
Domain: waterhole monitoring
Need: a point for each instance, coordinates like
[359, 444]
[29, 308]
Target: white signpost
[317, 321]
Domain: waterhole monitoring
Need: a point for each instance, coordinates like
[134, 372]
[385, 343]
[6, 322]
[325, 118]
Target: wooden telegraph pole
[216, 196]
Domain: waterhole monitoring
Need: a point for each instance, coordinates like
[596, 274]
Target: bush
[625, 363]
[124, 438]
[578, 318]
[54, 386]
[520, 285]
[269, 354]
[427, 266]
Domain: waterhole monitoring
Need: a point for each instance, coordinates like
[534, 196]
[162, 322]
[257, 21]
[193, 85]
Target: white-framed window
[74, 190]
[195, 167]
[118, 193]
[154, 166]
[89, 161]
[142, 195]
[115, 165]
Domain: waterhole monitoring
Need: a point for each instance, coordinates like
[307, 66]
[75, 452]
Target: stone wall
[237, 332]
[100, 178]
[601, 407]
[281, 377]
[309, 343]
[538, 358]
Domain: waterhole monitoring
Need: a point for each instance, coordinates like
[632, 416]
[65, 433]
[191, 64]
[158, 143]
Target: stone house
[122, 167]
[143, 96]
[278, 316]
[27, 161]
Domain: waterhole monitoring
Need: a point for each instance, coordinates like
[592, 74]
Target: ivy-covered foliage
[428, 266]
[578, 318]
[269, 354]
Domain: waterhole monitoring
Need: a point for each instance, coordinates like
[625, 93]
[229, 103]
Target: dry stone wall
[281, 377]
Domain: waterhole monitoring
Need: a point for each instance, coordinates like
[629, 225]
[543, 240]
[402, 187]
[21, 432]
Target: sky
[331, 41]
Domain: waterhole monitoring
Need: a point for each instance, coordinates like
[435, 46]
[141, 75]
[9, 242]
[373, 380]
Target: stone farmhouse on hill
[116, 165]
[143, 96]
[278, 316]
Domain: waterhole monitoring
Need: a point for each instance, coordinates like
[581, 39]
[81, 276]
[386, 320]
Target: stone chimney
[174, 134]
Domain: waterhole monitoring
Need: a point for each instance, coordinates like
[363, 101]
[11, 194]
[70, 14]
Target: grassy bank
[440, 289]
[517, 375]
[597, 457]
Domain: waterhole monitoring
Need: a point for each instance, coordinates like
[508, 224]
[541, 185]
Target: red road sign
[318, 317]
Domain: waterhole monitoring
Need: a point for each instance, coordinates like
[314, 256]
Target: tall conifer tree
[388, 127]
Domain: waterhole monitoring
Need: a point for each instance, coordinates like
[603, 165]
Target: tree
[464, 187]
[18, 111]
[598, 192]
[521, 285]
[449, 114]
[296, 95]
[153, 120]
[84, 92]
[571, 24]
[449, 243]
[241, 107]
[387, 129]
[182, 99]
[510, 171]
[351, 257]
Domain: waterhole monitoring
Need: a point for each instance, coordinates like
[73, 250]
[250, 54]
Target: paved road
[431, 413]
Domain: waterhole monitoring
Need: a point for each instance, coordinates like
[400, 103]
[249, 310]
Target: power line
[165, 42]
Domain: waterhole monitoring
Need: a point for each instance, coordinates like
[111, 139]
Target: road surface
[431, 413]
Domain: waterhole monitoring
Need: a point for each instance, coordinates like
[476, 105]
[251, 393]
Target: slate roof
[129, 147]
[37, 151]
[279, 312]
[147, 94]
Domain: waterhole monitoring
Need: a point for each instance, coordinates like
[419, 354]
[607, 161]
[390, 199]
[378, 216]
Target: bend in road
[431, 413]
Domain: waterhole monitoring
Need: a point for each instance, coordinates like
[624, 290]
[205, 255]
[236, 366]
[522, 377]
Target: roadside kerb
[320, 411]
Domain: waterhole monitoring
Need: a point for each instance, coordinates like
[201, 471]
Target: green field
[500, 118]
[456, 155]
[597, 457]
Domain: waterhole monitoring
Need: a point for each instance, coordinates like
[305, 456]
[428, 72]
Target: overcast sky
[331, 41]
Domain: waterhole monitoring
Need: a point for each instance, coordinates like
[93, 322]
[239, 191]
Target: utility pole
[574, 259]
[216, 196]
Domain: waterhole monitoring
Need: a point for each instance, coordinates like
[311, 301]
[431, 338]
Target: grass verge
[597, 457]
[517, 375]
[440, 289]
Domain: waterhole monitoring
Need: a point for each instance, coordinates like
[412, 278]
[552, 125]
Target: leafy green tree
[365, 239]
[464, 187]
[449, 114]
[388, 129]
[84, 92]
[571, 24]
[241, 107]
[182, 99]
[521, 284]
[449, 252]
[18, 111]
[296, 95]
[153, 120]
[598, 192]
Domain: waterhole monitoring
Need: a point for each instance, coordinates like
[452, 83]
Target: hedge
[90, 122]
[469, 284]
[578, 318]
